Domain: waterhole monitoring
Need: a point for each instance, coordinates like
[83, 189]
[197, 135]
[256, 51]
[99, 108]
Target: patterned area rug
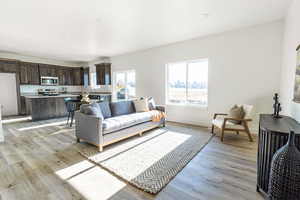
[151, 161]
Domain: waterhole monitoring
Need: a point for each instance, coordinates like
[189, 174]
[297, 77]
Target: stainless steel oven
[46, 80]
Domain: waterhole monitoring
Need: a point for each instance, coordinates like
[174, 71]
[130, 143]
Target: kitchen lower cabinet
[46, 108]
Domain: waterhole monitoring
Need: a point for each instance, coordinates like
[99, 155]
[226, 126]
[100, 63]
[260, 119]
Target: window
[187, 82]
[124, 85]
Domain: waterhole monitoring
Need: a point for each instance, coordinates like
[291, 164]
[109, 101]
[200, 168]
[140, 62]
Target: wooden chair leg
[212, 129]
[77, 140]
[248, 132]
[140, 133]
[100, 148]
[222, 135]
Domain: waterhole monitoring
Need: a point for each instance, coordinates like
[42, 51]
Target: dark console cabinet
[273, 134]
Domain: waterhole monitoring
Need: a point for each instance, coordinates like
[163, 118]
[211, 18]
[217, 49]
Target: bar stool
[71, 106]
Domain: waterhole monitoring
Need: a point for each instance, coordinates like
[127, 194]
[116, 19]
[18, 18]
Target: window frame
[186, 62]
[114, 96]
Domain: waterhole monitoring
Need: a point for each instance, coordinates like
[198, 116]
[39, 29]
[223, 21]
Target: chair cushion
[124, 121]
[248, 111]
[219, 123]
[121, 108]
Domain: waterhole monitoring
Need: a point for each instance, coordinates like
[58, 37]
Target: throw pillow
[141, 105]
[93, 110]
[105, 109]
[236, 112]
[151, 103]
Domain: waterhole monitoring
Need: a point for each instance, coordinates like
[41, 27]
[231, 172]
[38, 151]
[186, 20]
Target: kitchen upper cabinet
[9, 66]
[77, 76]
[65, 76]
[103, 71]
[48, 70]
[29, 73]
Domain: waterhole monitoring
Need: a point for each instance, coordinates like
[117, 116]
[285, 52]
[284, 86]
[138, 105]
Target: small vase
[284, 182]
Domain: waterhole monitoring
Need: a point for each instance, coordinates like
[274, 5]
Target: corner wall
[244, 67]
[290, 42]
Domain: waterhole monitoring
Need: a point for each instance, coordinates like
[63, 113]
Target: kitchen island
[46, 107]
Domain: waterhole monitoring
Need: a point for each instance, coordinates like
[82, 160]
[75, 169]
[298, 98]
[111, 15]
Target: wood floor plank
[39, 160]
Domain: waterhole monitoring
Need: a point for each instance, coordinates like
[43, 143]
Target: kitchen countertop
[36, 96]
[73, 94]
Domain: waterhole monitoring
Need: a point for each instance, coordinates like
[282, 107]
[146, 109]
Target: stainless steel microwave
[46, 80]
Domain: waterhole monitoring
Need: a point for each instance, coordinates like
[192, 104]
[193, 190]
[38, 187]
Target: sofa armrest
[160, 108]
[88, 128]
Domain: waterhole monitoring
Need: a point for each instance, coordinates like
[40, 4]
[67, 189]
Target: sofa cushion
[121, 108]
[105, 109]
[141, 105]
[124, 121]
[91, 109]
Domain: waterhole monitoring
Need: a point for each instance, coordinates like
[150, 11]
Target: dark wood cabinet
[29, 73]
[65, 76]
[9, 66]
[103, 71]
[77, 75]
[48, 70]
[273, 134]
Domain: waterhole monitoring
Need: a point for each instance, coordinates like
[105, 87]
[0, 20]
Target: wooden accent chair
[225, 125]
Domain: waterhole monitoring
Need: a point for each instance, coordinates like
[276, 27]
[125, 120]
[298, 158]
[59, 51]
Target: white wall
[290, 42]
[244, 67]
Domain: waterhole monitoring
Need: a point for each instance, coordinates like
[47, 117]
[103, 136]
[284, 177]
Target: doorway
[8, 92]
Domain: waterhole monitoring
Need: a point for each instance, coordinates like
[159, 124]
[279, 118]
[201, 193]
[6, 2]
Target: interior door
[8, 93]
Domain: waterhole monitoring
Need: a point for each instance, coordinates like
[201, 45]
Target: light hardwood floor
[39, 160]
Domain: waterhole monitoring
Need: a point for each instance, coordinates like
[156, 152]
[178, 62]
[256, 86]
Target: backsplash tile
[34, 88]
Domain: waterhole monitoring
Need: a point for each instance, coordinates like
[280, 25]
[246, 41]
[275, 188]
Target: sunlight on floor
[16, 119]
[132, 159]
[91, 181]
[63, 122]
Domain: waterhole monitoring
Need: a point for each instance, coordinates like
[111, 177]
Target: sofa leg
[100, 148]
[140, 133]
[77, 140]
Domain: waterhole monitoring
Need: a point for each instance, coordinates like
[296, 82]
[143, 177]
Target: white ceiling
[83, 30]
